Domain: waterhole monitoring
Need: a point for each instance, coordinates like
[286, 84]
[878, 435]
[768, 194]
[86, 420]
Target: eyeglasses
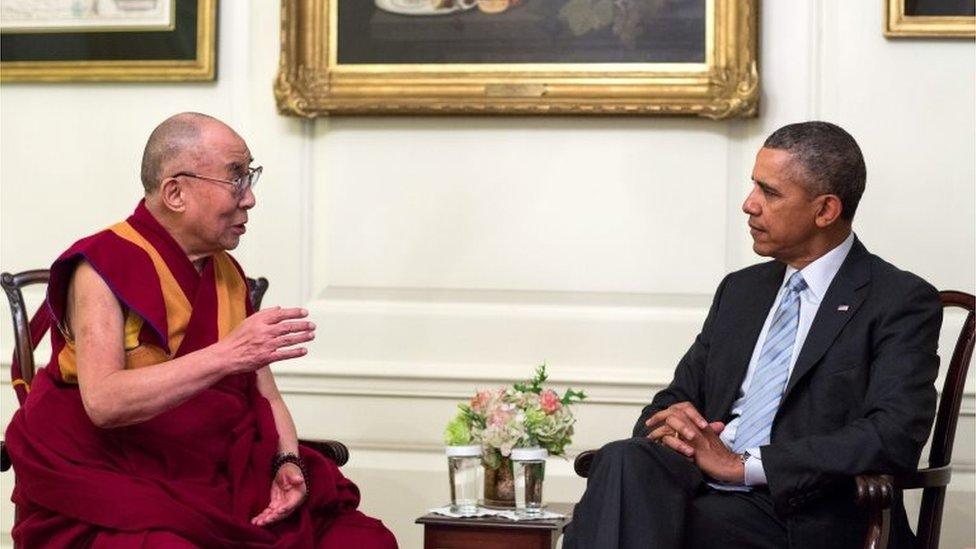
[241, 184]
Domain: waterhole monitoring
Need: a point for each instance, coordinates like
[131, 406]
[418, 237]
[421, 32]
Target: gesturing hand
[288, 491]
[267, 336]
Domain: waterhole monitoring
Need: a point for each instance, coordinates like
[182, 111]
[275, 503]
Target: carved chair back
[947, 418]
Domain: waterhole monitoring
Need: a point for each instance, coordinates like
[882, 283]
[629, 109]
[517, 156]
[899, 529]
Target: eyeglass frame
[240, 186]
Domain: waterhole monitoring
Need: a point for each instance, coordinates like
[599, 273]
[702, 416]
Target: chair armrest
[582, 463]
[4, 457]
[332, 449]
[932, 477]
[875, 491]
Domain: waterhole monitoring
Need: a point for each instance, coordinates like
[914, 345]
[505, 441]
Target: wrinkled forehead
[220, 147]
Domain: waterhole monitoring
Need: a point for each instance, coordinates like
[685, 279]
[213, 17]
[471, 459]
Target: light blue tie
[772, 371]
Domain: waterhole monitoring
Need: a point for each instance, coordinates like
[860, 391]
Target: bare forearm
[114, 396]
[287, 435]
[127, 397]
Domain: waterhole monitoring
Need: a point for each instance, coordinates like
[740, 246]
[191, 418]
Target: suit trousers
[641, 494]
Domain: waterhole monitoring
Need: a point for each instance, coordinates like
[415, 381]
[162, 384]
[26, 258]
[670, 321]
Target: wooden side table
[442, 532]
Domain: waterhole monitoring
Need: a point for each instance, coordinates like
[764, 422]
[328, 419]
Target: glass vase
[500, 486]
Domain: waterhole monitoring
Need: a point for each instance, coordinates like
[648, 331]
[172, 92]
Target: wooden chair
[877, 492]
[26, 342]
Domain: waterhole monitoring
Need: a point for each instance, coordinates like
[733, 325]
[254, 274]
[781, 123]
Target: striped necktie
[772, 371]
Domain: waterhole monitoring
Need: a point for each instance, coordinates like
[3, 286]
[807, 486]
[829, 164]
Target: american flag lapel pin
[843, 308]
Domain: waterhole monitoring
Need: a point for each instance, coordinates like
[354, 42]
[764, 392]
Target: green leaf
[570, 396]
[458, 431]
[534, 385]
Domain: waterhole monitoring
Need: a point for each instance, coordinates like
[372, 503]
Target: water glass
[529, 470]
[464, 465]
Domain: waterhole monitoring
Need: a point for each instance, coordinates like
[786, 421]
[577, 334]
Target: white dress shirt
[818, 276]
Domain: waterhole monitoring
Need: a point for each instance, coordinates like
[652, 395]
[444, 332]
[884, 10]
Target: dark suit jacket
[861, 397]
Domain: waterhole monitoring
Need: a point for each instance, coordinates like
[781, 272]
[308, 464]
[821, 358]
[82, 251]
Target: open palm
[288, 491]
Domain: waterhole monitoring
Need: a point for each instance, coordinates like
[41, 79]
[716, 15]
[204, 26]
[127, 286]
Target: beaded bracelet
[289, 457]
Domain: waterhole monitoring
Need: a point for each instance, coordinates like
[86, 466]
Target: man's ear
[830, 210]
[171, 195]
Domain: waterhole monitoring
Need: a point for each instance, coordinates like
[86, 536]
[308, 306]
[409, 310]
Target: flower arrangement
[523, 415]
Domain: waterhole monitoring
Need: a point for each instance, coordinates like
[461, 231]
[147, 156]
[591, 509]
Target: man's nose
[248, 200]
[751, 204]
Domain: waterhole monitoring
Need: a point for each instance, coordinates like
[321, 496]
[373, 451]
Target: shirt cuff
[755, 475]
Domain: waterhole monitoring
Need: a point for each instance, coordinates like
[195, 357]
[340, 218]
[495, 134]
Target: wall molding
[622, 386]
[306, 212]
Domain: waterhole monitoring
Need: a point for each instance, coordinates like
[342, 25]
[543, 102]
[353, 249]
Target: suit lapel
[839, 305]
[748, 322]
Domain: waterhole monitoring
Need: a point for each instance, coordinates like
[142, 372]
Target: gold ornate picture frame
[901, 22]
[313, 82]
[183, 48]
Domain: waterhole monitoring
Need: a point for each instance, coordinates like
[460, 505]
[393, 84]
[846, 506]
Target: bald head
[175, 136]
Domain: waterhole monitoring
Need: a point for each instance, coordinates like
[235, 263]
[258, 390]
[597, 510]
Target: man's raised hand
[267, 336]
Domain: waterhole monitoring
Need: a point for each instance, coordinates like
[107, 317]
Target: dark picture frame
[930, 19]
[187, 51]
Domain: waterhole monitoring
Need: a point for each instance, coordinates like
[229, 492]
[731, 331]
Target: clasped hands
[682, 428]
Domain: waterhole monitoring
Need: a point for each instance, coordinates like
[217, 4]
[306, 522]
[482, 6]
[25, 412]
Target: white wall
[443, 254]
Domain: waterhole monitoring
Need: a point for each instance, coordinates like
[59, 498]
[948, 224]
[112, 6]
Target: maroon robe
[193, 475]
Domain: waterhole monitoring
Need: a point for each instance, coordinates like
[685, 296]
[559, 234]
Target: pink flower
[499, 417]
[549, 401]
[480, 400]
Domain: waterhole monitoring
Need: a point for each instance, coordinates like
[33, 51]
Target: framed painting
[107, 40]
[631, 57]
[930, 18]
